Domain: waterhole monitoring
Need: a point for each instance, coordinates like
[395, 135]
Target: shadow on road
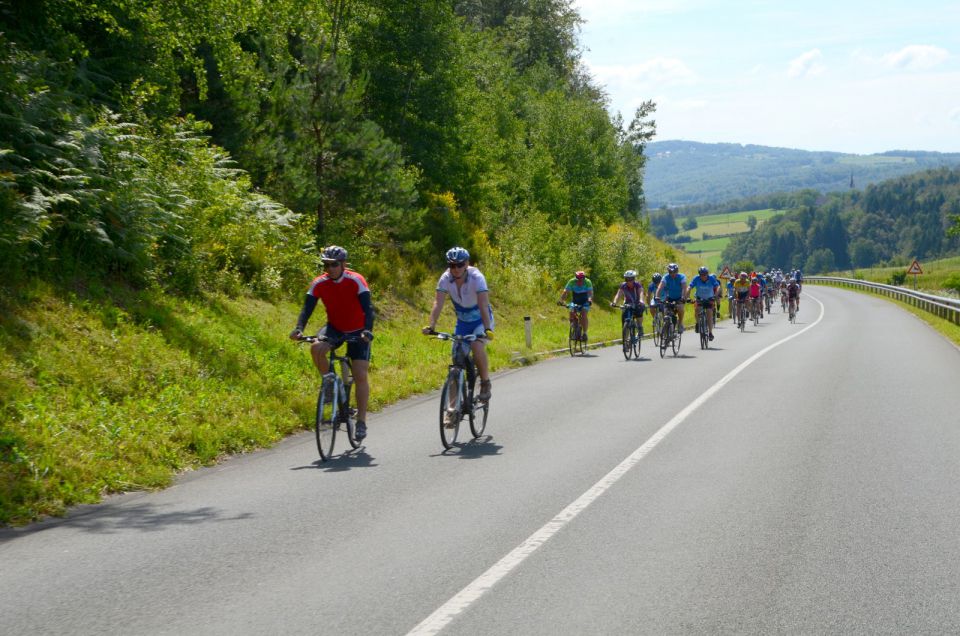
[109, 519]
[347, 460]
[483, 446]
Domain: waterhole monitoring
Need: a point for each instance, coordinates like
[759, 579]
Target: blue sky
[844, 75]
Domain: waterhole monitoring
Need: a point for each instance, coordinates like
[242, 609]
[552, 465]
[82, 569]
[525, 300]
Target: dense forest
[216, 144]
[687, 174]
[916, 216]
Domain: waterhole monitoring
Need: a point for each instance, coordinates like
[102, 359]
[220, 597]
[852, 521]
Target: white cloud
[807, 64]
[955, 116]
[656, 71]
[915, 57]
[618, 10]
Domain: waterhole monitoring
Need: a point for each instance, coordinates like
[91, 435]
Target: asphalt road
[767, 485]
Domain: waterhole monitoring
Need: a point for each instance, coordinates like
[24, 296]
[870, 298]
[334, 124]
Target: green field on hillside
[709, 251]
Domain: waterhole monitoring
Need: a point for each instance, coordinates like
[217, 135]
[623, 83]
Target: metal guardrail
[946, 308]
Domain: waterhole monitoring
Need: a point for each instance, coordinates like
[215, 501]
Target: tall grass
[108, 389]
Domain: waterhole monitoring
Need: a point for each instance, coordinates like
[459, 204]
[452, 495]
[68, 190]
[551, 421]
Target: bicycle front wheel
[665, 332]
[478, 414]
[347, 416]
[704, 332]
[326, 424]
[574, 337]
[452, 399]
[675, 342]
[636, 334]
[627, 341]
[657, 325]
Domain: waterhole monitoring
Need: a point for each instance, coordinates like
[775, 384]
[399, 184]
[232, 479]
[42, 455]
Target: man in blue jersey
[673, 287]
[707, 290]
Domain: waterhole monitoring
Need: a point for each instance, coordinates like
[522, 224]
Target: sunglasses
[331, 265]
[456, 265]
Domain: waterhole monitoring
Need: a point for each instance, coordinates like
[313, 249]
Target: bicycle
[793, 310]
[703, 325]
[575, 343]
[657, 312]
[670, 335]
[457, 396]
[742, 314]
[333, 402]
[632, 330]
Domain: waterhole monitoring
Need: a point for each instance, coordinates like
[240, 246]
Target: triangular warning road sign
[915, 267]
[726, 272]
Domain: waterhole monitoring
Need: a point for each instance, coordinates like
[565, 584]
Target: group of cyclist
[346, 298]
[674, 288]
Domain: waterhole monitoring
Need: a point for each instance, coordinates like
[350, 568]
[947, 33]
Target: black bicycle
[576, 343]
[703, 324]
[670, 335]
[457, 397]
[632, 329]
[657, 320]
[333, 404]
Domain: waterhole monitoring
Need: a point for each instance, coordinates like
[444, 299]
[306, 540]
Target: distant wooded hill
[682, 173]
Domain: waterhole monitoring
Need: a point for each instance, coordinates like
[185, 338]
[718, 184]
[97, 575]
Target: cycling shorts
[473, 327]
[356, 350]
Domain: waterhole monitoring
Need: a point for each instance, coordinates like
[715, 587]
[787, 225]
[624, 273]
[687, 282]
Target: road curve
[812, 492]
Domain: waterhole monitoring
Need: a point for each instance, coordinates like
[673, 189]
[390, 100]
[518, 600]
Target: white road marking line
[479, 586]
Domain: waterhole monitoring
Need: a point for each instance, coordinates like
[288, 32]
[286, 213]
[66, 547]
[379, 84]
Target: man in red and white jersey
[346, 298]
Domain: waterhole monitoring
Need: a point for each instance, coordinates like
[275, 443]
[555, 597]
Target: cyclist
[346, 299]
[730, 302]
[763, 290]
[654, 299]
[631, 291]
[755, 291]
[470, 296]
[707, 289]
[742, 290]
[673, 287]
[581, 290]
[798, 276]
[793, 292]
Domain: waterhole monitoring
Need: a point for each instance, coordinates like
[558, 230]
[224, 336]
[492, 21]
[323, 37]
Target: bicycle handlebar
[304, 338]
[441, 335]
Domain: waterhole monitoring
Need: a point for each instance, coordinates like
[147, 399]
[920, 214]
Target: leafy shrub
[897, 278]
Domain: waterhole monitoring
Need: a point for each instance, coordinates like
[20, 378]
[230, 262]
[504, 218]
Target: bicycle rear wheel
[326, 424]
[450, 426]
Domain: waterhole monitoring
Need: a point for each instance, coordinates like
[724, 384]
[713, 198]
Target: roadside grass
[935, 274]
[104, 389]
